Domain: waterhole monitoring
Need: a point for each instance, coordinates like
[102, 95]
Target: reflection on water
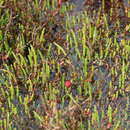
[80, 4]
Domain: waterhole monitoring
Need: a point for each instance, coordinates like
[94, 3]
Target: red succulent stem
[59, 3]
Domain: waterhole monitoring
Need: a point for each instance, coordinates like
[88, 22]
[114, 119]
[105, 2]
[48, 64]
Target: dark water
[80, 4]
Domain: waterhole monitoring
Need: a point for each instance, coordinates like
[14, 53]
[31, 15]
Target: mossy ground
[42, 47]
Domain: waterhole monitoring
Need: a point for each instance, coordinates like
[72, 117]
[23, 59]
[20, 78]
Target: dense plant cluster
[64, 67]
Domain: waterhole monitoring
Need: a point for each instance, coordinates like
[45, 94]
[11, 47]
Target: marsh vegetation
[64, 66]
